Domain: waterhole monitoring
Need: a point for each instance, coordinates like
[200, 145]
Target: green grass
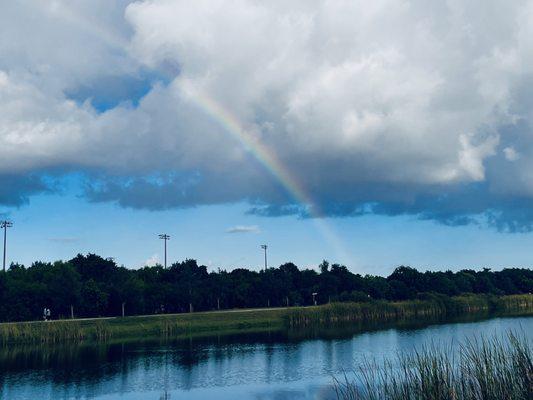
[176, 325]
[226, 322]
[483, 369]
[416, 309]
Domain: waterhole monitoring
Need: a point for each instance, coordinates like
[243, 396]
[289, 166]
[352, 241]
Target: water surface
[262, 366]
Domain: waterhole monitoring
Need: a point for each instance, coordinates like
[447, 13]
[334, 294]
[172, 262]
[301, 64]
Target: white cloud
[334, 80]
[511, 154]
[243, 229]
[471, 156]
[352, 96]
[151, 261]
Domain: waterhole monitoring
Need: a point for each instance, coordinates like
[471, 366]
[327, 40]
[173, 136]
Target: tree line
[91, 286]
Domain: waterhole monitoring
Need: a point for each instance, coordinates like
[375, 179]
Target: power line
[5, 224]
[165, 237]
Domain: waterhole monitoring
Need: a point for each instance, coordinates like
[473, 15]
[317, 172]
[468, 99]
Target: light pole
[265, 247]
[165, 237]
[5, 225]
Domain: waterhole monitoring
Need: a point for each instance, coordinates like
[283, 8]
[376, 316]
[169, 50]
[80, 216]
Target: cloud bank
[388, 107]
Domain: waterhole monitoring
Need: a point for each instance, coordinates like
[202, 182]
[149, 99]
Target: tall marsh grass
[482, 369]
[53, 332]
[434, 306]
[166, 326]
[162, 326]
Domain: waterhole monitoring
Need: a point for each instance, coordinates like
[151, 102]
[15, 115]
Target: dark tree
[91, 286]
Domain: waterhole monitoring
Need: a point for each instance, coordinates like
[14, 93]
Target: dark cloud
[468, 204]
[16, 190]
[186, 189]
[276, 210]
[458, 205]
[453, 206]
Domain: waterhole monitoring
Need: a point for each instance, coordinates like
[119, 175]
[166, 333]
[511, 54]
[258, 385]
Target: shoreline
[248, 320]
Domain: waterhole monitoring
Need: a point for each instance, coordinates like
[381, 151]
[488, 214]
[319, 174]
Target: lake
[259, 366]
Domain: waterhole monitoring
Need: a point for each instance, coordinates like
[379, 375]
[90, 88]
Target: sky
[372, 134]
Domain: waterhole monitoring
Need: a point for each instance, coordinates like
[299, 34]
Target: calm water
[267, 366]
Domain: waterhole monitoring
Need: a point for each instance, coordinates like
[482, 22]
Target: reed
[60, 331]
[104, 329]
[482, 369]
[434, 306]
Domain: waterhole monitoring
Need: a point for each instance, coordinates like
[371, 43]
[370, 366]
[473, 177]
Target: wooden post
[190, 308]
[218, 303]
[123, 304]
[71, 311]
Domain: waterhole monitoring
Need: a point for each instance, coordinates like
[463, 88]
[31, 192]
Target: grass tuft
[484, 369]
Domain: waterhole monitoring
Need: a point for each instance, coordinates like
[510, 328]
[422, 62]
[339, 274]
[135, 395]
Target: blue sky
[405, 127]
[57, 226]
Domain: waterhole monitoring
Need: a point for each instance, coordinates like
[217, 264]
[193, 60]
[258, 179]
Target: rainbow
[267, 158]
[231, 124]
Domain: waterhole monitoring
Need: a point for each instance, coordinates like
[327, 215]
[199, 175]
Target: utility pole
[5, 225]
[265, 247]
[165, 237]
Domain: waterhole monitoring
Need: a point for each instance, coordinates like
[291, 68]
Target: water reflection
[268, 365]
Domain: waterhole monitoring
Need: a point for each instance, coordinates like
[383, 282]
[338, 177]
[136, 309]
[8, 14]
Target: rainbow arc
[267, 158]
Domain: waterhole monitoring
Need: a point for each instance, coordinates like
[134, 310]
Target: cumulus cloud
[243, 229]
[153, 260]
[386, 107]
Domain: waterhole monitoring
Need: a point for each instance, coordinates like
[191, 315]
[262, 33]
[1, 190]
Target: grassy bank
[175, 325]
[483, 369]
[225, 322]
[416, 309]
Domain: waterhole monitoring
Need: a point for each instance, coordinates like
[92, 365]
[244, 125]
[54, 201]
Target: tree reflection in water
[268, 364]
